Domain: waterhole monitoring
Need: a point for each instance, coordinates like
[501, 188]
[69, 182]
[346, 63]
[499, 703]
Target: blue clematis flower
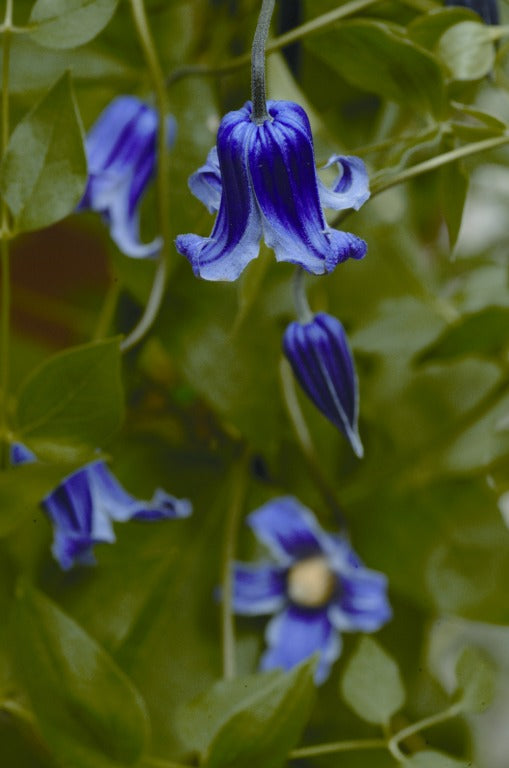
[323, 365]
[121, 156]
[262, 181]
[317, 588]
[87, 502]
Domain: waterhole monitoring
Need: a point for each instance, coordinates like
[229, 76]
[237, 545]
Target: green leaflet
[69, 23]
[88, 710]
[73, 399]
[44, 171]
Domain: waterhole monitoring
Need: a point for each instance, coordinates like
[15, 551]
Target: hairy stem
[258, 91]
[162, 181]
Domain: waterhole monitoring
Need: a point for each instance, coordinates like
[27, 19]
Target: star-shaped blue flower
[261, 179]
[87, 502]
[321, 360]
[317, 588]
[121, 157]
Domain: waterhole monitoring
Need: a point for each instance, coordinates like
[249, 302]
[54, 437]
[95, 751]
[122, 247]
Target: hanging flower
[121, 156]
[323, 365]
[317, 588]
[262, 181]
[87, 502]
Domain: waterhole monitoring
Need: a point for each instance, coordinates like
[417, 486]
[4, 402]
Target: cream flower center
[311, 582]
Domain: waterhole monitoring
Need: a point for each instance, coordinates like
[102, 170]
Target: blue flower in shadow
[317, 588]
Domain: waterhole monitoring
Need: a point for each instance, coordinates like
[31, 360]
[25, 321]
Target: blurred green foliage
[138, 638]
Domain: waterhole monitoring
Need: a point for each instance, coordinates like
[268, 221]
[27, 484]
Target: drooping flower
[317, 588]
[487, 9]
[121, 156]
[262, 181]
[87, 502]
[323, 365]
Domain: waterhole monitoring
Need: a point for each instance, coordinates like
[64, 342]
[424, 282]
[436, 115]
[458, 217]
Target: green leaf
[427, 28]
[371, 684]
[69, 23]
[250, 721]
[73, 399]
[429, 758]
[44, 171]
[22, 488]
[475, 673]
[378, 58]
[454, 187]
[467, 50]
[88, 710]
[477, 333]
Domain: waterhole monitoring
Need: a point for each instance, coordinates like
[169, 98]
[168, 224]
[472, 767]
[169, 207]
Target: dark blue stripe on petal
[288, 529]
[281, 164]
[351, 187]
[258, 590]
[321, 360]
[235, 239]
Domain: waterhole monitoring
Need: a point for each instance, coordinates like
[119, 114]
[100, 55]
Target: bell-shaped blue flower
[121, 156]
[323, 365]
[87, 502]
[316, 586]
[262, 181]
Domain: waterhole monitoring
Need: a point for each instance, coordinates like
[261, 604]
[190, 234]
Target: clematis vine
[322, 362]
[261, 180]
[87, 502]
[317, 587]
[121, 157]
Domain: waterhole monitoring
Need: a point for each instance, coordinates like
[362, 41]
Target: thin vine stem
[381, 184]
[162, 181]
[229, 545]
[421, 725]
[258, 88]
[337, 746]
[300, 298]
[239, 62]
[305, 441]
[5, 312]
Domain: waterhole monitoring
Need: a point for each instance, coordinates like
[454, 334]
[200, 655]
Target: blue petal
[362, 604]
[20, 454]
[77, 523]
[112, 500]
[296, 634]
[162, 506]
[258, 590]
[288, 529]
[351, 187]
[321, 360]
[282, 170]
[235, 239]
[206, 183]
[121, 154]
